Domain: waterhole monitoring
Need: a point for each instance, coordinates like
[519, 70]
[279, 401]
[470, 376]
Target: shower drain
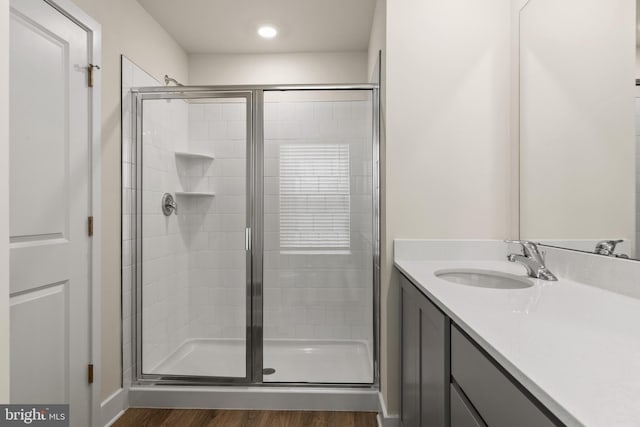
[268, 371]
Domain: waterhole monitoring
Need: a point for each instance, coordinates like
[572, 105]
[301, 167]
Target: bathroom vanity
[545, 354]
[447, 375]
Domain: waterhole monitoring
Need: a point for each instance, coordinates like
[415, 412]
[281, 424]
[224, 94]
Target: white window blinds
[314, 196]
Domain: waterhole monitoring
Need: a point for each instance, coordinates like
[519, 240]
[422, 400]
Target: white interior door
[49, 206]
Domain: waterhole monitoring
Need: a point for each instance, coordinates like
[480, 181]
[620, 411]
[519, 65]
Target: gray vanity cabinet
[425, 361]
[462, 412]
[449, 381]
[493, 394]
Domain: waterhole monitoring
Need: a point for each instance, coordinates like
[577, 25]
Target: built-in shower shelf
[190, 155]
[194, 194]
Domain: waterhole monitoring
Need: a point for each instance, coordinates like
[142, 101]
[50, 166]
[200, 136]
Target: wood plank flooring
[143, 417]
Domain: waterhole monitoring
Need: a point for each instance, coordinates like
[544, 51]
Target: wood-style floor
[227, 418]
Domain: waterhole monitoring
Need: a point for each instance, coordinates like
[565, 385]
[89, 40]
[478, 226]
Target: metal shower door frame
[139, 95]
[254, 96]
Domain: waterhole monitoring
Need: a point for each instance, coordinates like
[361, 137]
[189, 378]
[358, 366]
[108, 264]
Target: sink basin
[484, 278]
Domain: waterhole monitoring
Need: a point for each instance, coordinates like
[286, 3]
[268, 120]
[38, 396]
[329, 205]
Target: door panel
[49, 205]
[40, 132]
[52, 258]
[41, 317]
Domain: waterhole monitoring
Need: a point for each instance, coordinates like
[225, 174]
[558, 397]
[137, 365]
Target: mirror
[577, 115]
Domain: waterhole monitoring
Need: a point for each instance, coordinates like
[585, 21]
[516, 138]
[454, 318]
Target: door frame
[138, 96]
[94, 45]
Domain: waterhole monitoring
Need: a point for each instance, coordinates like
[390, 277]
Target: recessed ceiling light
[267, 32]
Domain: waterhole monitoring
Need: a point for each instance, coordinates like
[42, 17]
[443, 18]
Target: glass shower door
[193, 287]
[318, 237]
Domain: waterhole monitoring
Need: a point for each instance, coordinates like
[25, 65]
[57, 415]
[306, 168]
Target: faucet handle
[169, 204]
[529, 248]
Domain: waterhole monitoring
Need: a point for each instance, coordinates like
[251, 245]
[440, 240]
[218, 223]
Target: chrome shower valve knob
[169, 204]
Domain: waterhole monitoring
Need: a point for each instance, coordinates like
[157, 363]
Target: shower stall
[255, 227]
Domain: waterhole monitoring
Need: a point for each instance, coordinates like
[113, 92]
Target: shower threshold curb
[262, 398]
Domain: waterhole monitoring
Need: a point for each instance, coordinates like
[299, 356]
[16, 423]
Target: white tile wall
[319, 295]
[131, 76]
[165, 245]
[217, 269]
[327, 296]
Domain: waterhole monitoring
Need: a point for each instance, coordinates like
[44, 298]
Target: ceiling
[229, 26]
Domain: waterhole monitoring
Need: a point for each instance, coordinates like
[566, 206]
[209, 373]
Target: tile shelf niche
[194, 193]
[194, 156]
[190, 155]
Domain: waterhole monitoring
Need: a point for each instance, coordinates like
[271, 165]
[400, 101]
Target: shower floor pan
[309, 361]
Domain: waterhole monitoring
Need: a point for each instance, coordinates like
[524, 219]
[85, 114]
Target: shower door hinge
[90, 373]
[90, 74]
[90, 226]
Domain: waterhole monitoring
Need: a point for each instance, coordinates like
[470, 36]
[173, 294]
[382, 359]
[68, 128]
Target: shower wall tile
[131, 76]
[166, 241]
[164, 260]
[217, 260]
[331, 293]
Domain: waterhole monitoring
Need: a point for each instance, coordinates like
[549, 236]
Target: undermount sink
[484, 278]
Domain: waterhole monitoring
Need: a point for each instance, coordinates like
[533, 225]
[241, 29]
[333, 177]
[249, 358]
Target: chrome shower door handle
[169, 204]
[247, 239]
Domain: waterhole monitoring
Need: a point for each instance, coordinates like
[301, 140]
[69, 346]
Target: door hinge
[90, 373]
[90, 74]
[90, 226]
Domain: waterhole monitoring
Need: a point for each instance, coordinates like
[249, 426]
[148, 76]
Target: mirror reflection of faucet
[169, 204]
[608, 247]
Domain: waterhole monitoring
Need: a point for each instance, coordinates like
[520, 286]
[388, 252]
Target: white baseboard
[384, 419]
[113, 407]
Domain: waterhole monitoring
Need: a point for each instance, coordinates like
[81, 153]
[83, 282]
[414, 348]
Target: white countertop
[575, 347]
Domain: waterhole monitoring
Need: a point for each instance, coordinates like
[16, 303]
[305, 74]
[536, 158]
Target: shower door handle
[247, 239]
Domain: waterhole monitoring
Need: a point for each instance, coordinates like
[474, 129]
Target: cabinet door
[433, 362]
[496, 397]
[425, 367]
[410, 360]
[462, 415]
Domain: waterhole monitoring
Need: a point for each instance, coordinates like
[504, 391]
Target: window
[314, 197]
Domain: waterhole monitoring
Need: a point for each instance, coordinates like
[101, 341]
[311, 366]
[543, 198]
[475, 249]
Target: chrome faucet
[608, 247]
[532, 259]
